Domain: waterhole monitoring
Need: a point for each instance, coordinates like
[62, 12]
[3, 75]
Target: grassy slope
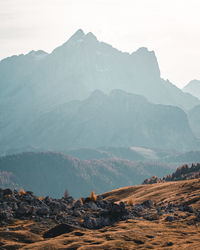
[131, 234]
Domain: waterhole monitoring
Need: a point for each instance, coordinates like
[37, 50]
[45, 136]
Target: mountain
[129, 153]
[184, 157]
[194, 120]
[51, 173]
[193, 87]
[119, 119]
[137, 154]
[35, 83]
[79, 66]
[41, 98]
[182, 173]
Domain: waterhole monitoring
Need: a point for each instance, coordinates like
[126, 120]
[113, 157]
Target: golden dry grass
[130, 202]
[129, 234]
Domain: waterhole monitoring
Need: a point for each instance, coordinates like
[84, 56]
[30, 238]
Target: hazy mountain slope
[184, 157]
[116, 120]
[193, 87]
[108, 152]
[194, 120]
[129, 153]
[51, 173]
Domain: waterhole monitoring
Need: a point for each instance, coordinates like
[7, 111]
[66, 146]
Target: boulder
[90, 222]
[22, 211]
[43, 211]
[58, 230]
[170, 218]
[147, 203]
[7, 191]
[92, 206]
[78, 204]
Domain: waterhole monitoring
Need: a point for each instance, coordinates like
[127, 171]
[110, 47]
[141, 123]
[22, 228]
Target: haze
[169, 27]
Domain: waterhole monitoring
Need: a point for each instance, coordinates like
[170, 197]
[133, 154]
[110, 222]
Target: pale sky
[169, 27]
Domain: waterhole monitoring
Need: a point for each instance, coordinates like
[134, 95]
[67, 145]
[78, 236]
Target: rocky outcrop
[86, 213]
[182, 173]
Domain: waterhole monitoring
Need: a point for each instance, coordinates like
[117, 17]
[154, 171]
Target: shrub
[93, 197]
[81, 200]
[21, 191]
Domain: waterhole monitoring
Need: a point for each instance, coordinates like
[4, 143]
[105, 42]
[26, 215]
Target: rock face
[182, 173]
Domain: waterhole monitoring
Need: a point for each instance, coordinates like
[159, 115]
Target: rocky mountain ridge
[182, 173]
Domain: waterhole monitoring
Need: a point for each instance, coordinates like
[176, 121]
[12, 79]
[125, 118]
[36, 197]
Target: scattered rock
[188, 209]
[58, 230]
[78, 204]
[169, 244]
[43, 211]
[92, 206]
[7, 191]
[21, 211]
[90, 222]
[147, 203]
[84, 212]
[169, 218]
[138, 241]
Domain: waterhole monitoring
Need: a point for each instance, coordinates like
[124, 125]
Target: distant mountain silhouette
[184, 157]
[51, 173]
[129, 153]
[116, 120]
[137, 154]
[79, 66]
[193, 87]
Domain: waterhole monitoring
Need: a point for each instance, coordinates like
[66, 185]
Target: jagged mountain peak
[90, 36]
[193, 87]
[144, 51]
[37, 52]
[77, 35]
[80, 36]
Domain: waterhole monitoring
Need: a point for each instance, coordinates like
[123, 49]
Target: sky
[169, 27]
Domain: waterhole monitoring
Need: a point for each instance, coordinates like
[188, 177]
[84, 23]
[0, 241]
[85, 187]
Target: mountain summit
[83, 64]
